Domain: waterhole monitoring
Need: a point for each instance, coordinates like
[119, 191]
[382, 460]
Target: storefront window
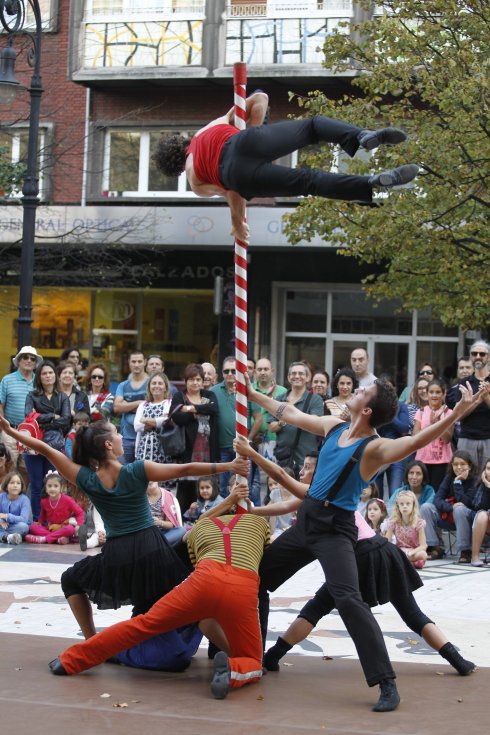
[354, 313]
[306, 311]
[180, 326]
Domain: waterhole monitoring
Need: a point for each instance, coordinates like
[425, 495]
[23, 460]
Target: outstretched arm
[238, 493]
[386, 451]
[161, 472]
[68, 469]
[283, 410]
[299, 489]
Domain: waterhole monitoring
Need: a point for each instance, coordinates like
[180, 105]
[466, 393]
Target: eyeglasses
[229, 371]
[97, 377]
[426, 372]
[478, 354]
[31, 358]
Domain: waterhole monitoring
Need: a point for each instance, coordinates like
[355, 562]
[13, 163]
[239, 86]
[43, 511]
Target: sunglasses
[31, 358]
[478, 354]
[426, 372]
[97, 377]
[229, 371]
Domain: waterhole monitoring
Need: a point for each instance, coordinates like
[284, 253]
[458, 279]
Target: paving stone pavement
[454, 596]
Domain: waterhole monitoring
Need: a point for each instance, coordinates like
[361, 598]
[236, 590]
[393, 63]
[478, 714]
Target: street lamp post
[12, 18]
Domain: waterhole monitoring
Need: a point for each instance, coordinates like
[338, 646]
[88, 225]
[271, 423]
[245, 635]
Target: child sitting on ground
[57, 510]
[165, 509]
[207, 497]
[408, 528]
[370, 492]
[15, 509]
[375, 514]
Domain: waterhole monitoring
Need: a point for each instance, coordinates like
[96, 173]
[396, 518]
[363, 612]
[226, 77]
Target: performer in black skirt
[136, 566]
[385, 575]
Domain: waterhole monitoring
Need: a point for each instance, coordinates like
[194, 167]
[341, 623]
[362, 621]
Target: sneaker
[82, 537]
[396, 177]
[370, 139]
[57, 668]
[389, 699]
[14, 538]
[32, 539]
[478, 563]
[63, 540]
[220, 684]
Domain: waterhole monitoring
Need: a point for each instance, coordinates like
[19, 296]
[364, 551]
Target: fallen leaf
[121, 704]
[17, 622]
[105, 695]
[18, 668]
[285, 664]
[440, 673]
[260, 697]
[327, 658]
[413, 643]
[460, 699]
[136, 701]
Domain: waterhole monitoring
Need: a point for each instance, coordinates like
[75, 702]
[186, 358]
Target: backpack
[30, 427]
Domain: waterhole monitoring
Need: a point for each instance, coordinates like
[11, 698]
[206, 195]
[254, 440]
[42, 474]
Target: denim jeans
[19, 527]
[463, 520]
[394, 476]
[37, 467]
[227, 455]
[129, 446]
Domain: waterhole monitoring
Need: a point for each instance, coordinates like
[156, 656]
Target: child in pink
[57, 510]
[408, 528]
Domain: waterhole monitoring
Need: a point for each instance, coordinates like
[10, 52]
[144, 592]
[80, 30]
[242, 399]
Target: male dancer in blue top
[325, 529]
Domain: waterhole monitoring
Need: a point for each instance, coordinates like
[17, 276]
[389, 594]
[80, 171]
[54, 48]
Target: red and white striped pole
[241, 352]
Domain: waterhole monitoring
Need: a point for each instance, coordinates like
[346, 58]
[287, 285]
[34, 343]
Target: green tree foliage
[11, 174]
[423, 66]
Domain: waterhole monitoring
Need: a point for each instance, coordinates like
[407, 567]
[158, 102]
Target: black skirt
[137, 568]
[384, 571]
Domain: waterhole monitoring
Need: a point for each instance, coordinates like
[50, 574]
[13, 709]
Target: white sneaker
[14, 538]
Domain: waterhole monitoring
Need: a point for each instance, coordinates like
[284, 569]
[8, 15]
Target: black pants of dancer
[329, 535]
[246, 161]
[323, 603]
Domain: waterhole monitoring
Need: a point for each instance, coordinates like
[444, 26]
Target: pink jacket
[171, 508]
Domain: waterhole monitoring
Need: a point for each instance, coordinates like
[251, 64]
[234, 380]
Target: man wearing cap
[14, 388]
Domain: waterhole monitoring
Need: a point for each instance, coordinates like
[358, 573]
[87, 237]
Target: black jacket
[463, 492]
[54, 429]
[187, 420]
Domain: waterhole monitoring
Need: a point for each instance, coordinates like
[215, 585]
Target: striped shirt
[249, 538]
[13, 393]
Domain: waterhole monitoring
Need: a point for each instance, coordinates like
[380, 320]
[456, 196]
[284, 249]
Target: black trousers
[329, 535]
[323, 603]
[246, 161]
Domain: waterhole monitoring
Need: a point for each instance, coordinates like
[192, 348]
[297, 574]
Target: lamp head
[9, 86]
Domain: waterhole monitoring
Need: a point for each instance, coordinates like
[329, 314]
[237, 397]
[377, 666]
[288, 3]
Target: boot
[275, 653]
[452, 656]
[389, 699]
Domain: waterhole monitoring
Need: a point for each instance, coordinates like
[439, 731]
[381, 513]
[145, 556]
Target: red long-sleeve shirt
[60, 510]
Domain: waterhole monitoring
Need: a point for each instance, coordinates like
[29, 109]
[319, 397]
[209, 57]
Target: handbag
[172, 437]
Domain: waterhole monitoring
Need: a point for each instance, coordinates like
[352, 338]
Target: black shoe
[220, 684]
[389, 699]
[57, 668]
[212, 650]
[82, 537]
[370, 139]
[396, 177]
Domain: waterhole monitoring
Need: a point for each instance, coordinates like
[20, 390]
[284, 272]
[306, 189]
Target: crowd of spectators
[449, 479]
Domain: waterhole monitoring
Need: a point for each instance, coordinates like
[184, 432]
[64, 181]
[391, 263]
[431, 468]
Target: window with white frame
[129, 169]
[13, 143]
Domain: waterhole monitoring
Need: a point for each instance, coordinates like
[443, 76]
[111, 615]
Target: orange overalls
[213, 590]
